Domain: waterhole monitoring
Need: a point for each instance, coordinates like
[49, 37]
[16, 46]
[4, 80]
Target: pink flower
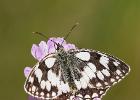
[42, 49]
[27, 71]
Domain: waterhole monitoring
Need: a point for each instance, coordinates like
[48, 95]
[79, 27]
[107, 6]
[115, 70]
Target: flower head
[44, 48]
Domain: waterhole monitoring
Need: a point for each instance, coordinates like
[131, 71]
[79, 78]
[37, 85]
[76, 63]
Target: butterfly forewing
[102, 70]
[44, 81]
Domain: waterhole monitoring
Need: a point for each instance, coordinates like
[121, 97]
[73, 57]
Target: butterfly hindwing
[90, 93]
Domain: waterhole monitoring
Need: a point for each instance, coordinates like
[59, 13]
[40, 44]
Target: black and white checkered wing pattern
[45, 81]
[99, 72]
[86, 74]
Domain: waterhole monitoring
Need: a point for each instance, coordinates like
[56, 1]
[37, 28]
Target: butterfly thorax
[68, 67]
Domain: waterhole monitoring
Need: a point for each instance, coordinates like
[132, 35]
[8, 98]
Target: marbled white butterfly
[82, 73]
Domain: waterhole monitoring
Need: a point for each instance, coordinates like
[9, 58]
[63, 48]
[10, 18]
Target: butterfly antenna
[41, 34]
[70, 31]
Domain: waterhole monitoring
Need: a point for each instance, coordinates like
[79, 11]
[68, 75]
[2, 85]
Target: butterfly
[83, 73]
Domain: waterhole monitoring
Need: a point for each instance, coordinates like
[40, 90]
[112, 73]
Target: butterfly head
[59, 47]
[60, 50]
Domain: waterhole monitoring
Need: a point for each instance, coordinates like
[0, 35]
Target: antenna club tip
[37, 33]
[77, 23]
[34, 32]
[42, 34]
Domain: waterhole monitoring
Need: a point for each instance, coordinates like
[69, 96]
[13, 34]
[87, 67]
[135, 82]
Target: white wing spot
[92, 66]
[53, 94]
[87, 96]
[100, 75]
[42, 84]
[83, 56]
[112, 80]
[118, 72]
[42, 94]
[64, 87]
[90, 85]
[52, 78]
[48, 85]
[36, 93]
[85, 76]
[105, 72]
[104, 61]
[38, 74]
[101, 92]
[78, 84]
[94, 95]
[89, 72]
[105, 83]
[50, 62]
[31, 79]
[98, 84]
[30, 89]
[117, 77]
[83, 83]
[124, 71]
[48, 95]
[33, 88]
[79, 95]
[116, 63]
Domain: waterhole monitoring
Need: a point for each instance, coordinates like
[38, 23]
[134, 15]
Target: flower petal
[60, 40]
[33, 50]
[69, 46]
[27, 71]
[43, 46]
[97, 99]
[40, 51]
[36, 52]
[52, 47]
[33, 98]
[50, 44]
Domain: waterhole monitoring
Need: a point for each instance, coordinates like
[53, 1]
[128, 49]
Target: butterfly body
[69, 70]
[82, 73]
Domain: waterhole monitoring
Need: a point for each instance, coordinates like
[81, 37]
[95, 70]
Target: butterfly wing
[99, 72]
[45, 81]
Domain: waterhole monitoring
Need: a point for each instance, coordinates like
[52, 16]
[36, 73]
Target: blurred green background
[111, 26]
